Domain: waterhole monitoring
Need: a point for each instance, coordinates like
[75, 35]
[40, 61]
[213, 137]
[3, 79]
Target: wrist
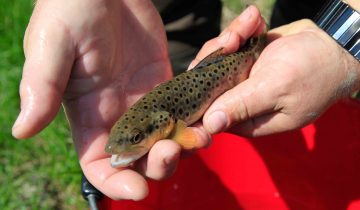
[340, 19]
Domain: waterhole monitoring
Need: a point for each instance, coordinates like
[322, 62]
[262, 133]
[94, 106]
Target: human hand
[299, 74]
[97, 57]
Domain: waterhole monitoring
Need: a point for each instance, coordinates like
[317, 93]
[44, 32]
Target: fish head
[131, 138]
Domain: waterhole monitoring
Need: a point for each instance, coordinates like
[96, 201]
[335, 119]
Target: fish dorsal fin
[184, 135]
[211, 58]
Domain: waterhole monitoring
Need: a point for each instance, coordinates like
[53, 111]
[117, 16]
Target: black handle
[90, 193]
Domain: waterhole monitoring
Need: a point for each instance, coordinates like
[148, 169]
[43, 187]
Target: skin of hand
[298, 76]
[97, 58]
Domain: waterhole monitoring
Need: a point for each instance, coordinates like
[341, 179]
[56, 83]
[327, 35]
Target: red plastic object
[317, 167]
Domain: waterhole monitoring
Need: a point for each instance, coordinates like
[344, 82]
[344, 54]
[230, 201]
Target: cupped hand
[97, 57]
[300, 73]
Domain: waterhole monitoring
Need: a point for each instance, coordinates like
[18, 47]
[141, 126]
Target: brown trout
[166, 111]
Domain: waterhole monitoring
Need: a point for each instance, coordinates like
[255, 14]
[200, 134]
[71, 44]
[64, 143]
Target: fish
[168, 110]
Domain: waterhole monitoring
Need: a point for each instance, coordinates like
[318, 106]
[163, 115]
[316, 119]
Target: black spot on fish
[194, 80]
[161, 116]
[223, 73]
[163, 106]
[204, 75]
[184, 88]
[176, 100]
[155, 106]
[196, 75]
[168, 98]
[145, 107]
[133, 117]
[167, 88]
[181, 111]
[199, 95]
[201, 82]
[190, 90]
[166, 119]
[187, 114]
[187, 101]
[188, 77]
[172, 110]
[157, 126]
[196, 86]
[159, 92]
[125, 127]
[215, 71]
[149, 129]
[180, 95]
[209, 95]
[177, 79]
[175, 88]
[208, 83]
[227, 69]
[204, 89]
[193, 106]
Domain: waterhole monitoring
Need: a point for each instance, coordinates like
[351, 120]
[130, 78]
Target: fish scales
[185, 98]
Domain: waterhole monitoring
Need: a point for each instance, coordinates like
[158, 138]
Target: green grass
[42, 172]
[238, 5]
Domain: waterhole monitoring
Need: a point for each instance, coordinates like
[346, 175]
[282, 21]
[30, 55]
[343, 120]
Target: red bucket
[317, 167]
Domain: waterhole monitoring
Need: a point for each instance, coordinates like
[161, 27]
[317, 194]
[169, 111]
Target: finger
[163, 157]
[116, 183]
[162, 160]
[240, 29]
[253, 97]
[49, 54]
[271, 123]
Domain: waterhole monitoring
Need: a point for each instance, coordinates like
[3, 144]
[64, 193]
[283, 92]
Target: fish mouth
[125, 159]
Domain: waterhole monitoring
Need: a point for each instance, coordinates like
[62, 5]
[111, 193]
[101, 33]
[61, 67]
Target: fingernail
[217, 121]
[192, 64]
[224, 37]
[246, 14]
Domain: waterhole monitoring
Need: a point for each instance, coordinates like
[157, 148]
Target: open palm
[97, 58]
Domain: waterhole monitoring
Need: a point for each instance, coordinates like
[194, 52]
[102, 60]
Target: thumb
[49, 54]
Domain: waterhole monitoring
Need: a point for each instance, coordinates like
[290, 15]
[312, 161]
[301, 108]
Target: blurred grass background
[41, 172]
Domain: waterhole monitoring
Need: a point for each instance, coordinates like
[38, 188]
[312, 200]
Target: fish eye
[136, 138]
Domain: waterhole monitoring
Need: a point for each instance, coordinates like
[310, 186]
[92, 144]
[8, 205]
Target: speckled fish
[166, 111]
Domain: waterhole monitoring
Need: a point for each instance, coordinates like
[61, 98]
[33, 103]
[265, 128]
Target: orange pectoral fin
[185, 136]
